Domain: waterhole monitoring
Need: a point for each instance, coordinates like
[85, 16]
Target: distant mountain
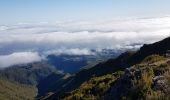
[68, 63]
[21, 82]
[73, 63]
[29, 74]
[125, 60]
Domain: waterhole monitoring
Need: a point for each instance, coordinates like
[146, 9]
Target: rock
[160, 83]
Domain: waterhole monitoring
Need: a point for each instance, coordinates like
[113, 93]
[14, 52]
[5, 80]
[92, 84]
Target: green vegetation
[140, 84]
[19, 82]
[145, 88]
[95, 88]
[153, 59]
[14, 91]
[142, 87]
[161, 69]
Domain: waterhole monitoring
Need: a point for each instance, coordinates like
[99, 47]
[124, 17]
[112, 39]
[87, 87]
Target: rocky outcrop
[160, 83]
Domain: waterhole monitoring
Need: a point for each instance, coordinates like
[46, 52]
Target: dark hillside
[125, 60]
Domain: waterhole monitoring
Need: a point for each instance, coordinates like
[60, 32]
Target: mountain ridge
[122, 62]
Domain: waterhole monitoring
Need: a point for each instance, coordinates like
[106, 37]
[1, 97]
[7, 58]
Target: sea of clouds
[31, 40]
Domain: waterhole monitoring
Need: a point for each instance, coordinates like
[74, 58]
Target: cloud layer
[74, 51]
[74, 36]
[114, 33]
[18, 58]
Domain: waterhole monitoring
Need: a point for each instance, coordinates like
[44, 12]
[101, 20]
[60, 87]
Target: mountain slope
[98, 70]
[161, 48]
[27, 74]
[26, 79]
[51, 83]
[14, 91]
[124, 61]
[147, 81]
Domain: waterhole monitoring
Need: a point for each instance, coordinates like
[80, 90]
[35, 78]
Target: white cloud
[75, 51]
[102, 34]
[76, 37]
[18, 58]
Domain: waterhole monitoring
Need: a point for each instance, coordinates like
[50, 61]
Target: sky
[30, 30]
[20, 11]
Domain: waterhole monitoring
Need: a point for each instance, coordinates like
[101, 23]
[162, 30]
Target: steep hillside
[31, 76]
[14, 91]
[124, 61]
[148, 80]
[27, 74]
[161, 48]
[98, 70]
[95, 88]
[52, 83]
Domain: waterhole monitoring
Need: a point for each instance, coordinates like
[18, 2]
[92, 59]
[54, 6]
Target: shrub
[153, 58]
[95, 88]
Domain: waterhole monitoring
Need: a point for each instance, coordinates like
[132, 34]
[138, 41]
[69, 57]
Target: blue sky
[16, 11]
